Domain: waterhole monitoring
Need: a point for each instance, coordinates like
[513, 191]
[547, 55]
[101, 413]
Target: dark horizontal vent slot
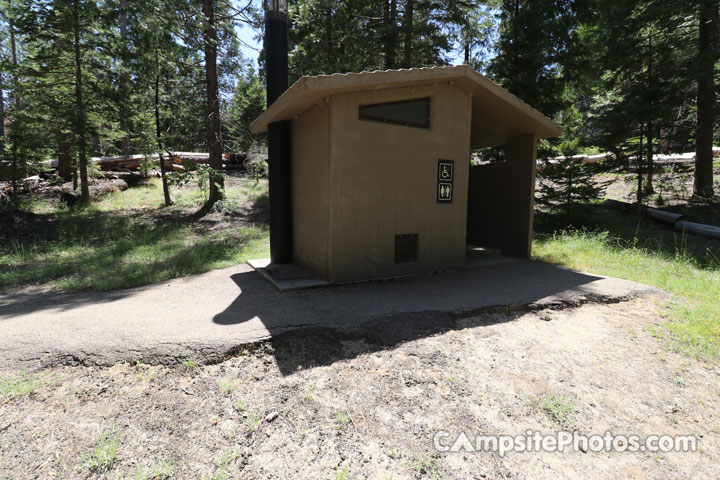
[406, 248]
[411, 113]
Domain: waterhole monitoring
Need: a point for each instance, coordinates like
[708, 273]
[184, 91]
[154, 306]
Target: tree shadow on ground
[628, 230]
[102, 250]
[316, 347]
[182, 261]
[319, 326]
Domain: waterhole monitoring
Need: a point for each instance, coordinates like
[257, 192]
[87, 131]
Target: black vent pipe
[278, 133]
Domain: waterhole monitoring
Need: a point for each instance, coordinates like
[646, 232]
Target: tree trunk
[158, 134]
[124, 78]
[329, 35]
[2, 116]
[14, 170]
[74, 173]
[390, 33]
[707, 41]
[65, 159]
[408, 28]
[213, 103]
[80, 110]
[649, 188]
[639, 154]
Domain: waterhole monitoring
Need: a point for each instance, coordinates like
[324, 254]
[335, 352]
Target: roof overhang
[496, 113]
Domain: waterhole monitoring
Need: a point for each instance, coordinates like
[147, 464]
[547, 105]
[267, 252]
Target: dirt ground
[353, 408]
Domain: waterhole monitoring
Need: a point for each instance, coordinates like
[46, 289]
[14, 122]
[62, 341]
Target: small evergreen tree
[565, 183]
[247, 104]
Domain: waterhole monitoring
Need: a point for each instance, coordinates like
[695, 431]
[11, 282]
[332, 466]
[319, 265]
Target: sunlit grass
[149, 195]
[129, 239]
[693, 324]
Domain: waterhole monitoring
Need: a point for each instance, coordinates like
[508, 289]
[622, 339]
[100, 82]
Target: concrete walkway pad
[208, 315]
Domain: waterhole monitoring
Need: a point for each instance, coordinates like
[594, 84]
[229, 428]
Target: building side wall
[310, 194]
[383, 182]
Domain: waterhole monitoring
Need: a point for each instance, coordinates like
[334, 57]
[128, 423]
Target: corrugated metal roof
[496, 113]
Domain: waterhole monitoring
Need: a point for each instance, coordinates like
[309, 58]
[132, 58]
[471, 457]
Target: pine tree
[533, 44]
[707, 56]
[247, 104]
[641, 70]
[564, 184]
[354, 35]
[67, 64]
[214, 136]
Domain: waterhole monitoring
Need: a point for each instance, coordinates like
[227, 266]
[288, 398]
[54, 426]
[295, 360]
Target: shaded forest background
[84, 78]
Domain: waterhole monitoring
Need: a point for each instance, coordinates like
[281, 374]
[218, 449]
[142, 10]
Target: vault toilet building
[381, 181]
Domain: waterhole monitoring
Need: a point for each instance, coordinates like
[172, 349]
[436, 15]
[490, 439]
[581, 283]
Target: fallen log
[619, 205]
[70, 197]
[698, 229]
[130, 178]
[676, 220]
[97, 191]
[663, 216]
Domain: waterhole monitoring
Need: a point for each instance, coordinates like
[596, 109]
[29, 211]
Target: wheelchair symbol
[446, 172]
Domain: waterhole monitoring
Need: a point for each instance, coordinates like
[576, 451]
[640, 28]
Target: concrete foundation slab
[286, 276]
[210, 315]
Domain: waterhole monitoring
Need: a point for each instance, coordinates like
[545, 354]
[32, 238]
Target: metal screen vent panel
[406, 248]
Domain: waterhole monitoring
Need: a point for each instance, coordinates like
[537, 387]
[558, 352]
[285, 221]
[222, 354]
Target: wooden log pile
[133, 162]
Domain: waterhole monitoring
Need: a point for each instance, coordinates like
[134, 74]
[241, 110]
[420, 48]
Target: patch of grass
[127, 240]
[345, 473]
[159, 471]
[254, 422]
[223, 470]
[190, 363]
[20, 385]
[394, 453]
[145, 372]
[557, 408]
[227, 384]
[426, 465]
[621, 247]
[105, 452]
[342, 419]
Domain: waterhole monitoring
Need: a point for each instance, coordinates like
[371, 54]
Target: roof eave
[547, 127]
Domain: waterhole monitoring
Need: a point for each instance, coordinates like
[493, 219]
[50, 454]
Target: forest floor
[130, 238]
[354, 411]
[673, 193]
